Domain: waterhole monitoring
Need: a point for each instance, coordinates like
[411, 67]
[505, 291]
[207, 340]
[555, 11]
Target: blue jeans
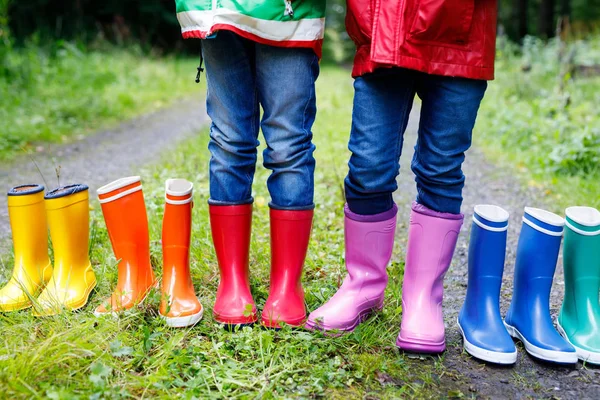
[243, 76]
[382, 104]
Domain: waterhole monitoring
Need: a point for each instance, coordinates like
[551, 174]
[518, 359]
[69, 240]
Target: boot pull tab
[289, 10]
[200, 68]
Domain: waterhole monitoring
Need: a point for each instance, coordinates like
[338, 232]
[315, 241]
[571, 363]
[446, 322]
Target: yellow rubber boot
[32, 269]
[73, 279]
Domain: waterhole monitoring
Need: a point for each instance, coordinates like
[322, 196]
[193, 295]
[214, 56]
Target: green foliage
[75, 355]
[57, 92]
[542, 117]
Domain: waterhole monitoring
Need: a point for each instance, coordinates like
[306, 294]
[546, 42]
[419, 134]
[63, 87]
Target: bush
[537, 109]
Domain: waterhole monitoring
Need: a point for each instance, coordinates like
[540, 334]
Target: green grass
[75, 355]
[61, 93]
[548, 135]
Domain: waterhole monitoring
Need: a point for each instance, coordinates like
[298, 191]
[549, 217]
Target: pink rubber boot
[431, 242]
[369, 243]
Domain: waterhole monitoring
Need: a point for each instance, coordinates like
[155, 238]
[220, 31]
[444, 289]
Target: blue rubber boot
[484, 334]
[528, 318]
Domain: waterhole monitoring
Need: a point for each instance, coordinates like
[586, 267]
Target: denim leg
[232, 104]
[382, 104]
[285, 79]
[448, 114]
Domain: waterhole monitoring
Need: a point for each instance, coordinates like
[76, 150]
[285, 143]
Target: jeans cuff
[230, 203]
[292, 208]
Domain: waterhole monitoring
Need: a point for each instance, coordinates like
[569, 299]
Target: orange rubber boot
[179, 305]
[124, 212]
[290, 235]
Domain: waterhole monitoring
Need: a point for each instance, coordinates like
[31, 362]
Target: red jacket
[439, 37]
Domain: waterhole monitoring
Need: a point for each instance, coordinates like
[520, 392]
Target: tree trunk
[520, 17]
[547, 27]
[565, 8]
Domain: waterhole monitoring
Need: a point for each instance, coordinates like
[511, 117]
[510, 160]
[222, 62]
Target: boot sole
[116, 313]
[183, 322]
[235, 321]
[490, 356]
[76, 307]
[272, 324]
[420, 348]
[582, 354]
[559, 357]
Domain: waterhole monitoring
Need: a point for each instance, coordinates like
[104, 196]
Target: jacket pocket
[443, 21]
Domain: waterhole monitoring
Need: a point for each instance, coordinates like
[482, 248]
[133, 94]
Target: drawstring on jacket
[200, 68]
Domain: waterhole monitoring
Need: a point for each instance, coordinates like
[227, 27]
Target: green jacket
[286, 23]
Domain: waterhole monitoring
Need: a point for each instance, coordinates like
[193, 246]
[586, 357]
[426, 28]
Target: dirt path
[529, 378]
[107, 155]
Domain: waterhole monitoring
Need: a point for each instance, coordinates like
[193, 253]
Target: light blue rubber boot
[484, 334]
[528, 318]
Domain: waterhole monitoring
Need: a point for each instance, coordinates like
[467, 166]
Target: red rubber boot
[290, 234]
[230, 227]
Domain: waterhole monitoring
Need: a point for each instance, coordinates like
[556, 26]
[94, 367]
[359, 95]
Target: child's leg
[286, 88]
[232, 104]
[382, 104]
[448, 115]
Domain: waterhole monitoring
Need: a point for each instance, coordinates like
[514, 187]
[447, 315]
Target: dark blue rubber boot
[528, 318]
[484, 334]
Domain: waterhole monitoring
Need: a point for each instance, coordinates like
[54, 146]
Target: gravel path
[107, 155]
[528, 379]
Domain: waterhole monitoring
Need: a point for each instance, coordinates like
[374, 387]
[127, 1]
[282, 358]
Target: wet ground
[487, 184]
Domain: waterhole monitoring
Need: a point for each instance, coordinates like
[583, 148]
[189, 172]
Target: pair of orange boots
[124, 211]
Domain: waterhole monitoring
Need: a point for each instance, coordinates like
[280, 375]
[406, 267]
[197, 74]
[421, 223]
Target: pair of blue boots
[486, 336]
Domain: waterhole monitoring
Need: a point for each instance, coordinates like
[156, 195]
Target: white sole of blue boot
[561, 357]
[490, 356]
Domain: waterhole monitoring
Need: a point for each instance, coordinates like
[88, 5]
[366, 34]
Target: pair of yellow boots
[35, 282]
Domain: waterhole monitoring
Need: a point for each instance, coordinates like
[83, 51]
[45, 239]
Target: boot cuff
[544, 221]
[491, 218]
[421, 209]
[65, 196]
[291, 215]
[384, 216]
[25, 195]
[24, 190]
[230, 210]
[583, 220]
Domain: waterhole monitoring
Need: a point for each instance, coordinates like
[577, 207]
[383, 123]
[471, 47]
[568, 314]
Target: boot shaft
[126, 220]
[432, 238]
[290, 235]
[581, 262]
[176, 232]
[68, 214]
[368, 247]
[231, 232]
[29, 227]
[487, 245]
[537, 254]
